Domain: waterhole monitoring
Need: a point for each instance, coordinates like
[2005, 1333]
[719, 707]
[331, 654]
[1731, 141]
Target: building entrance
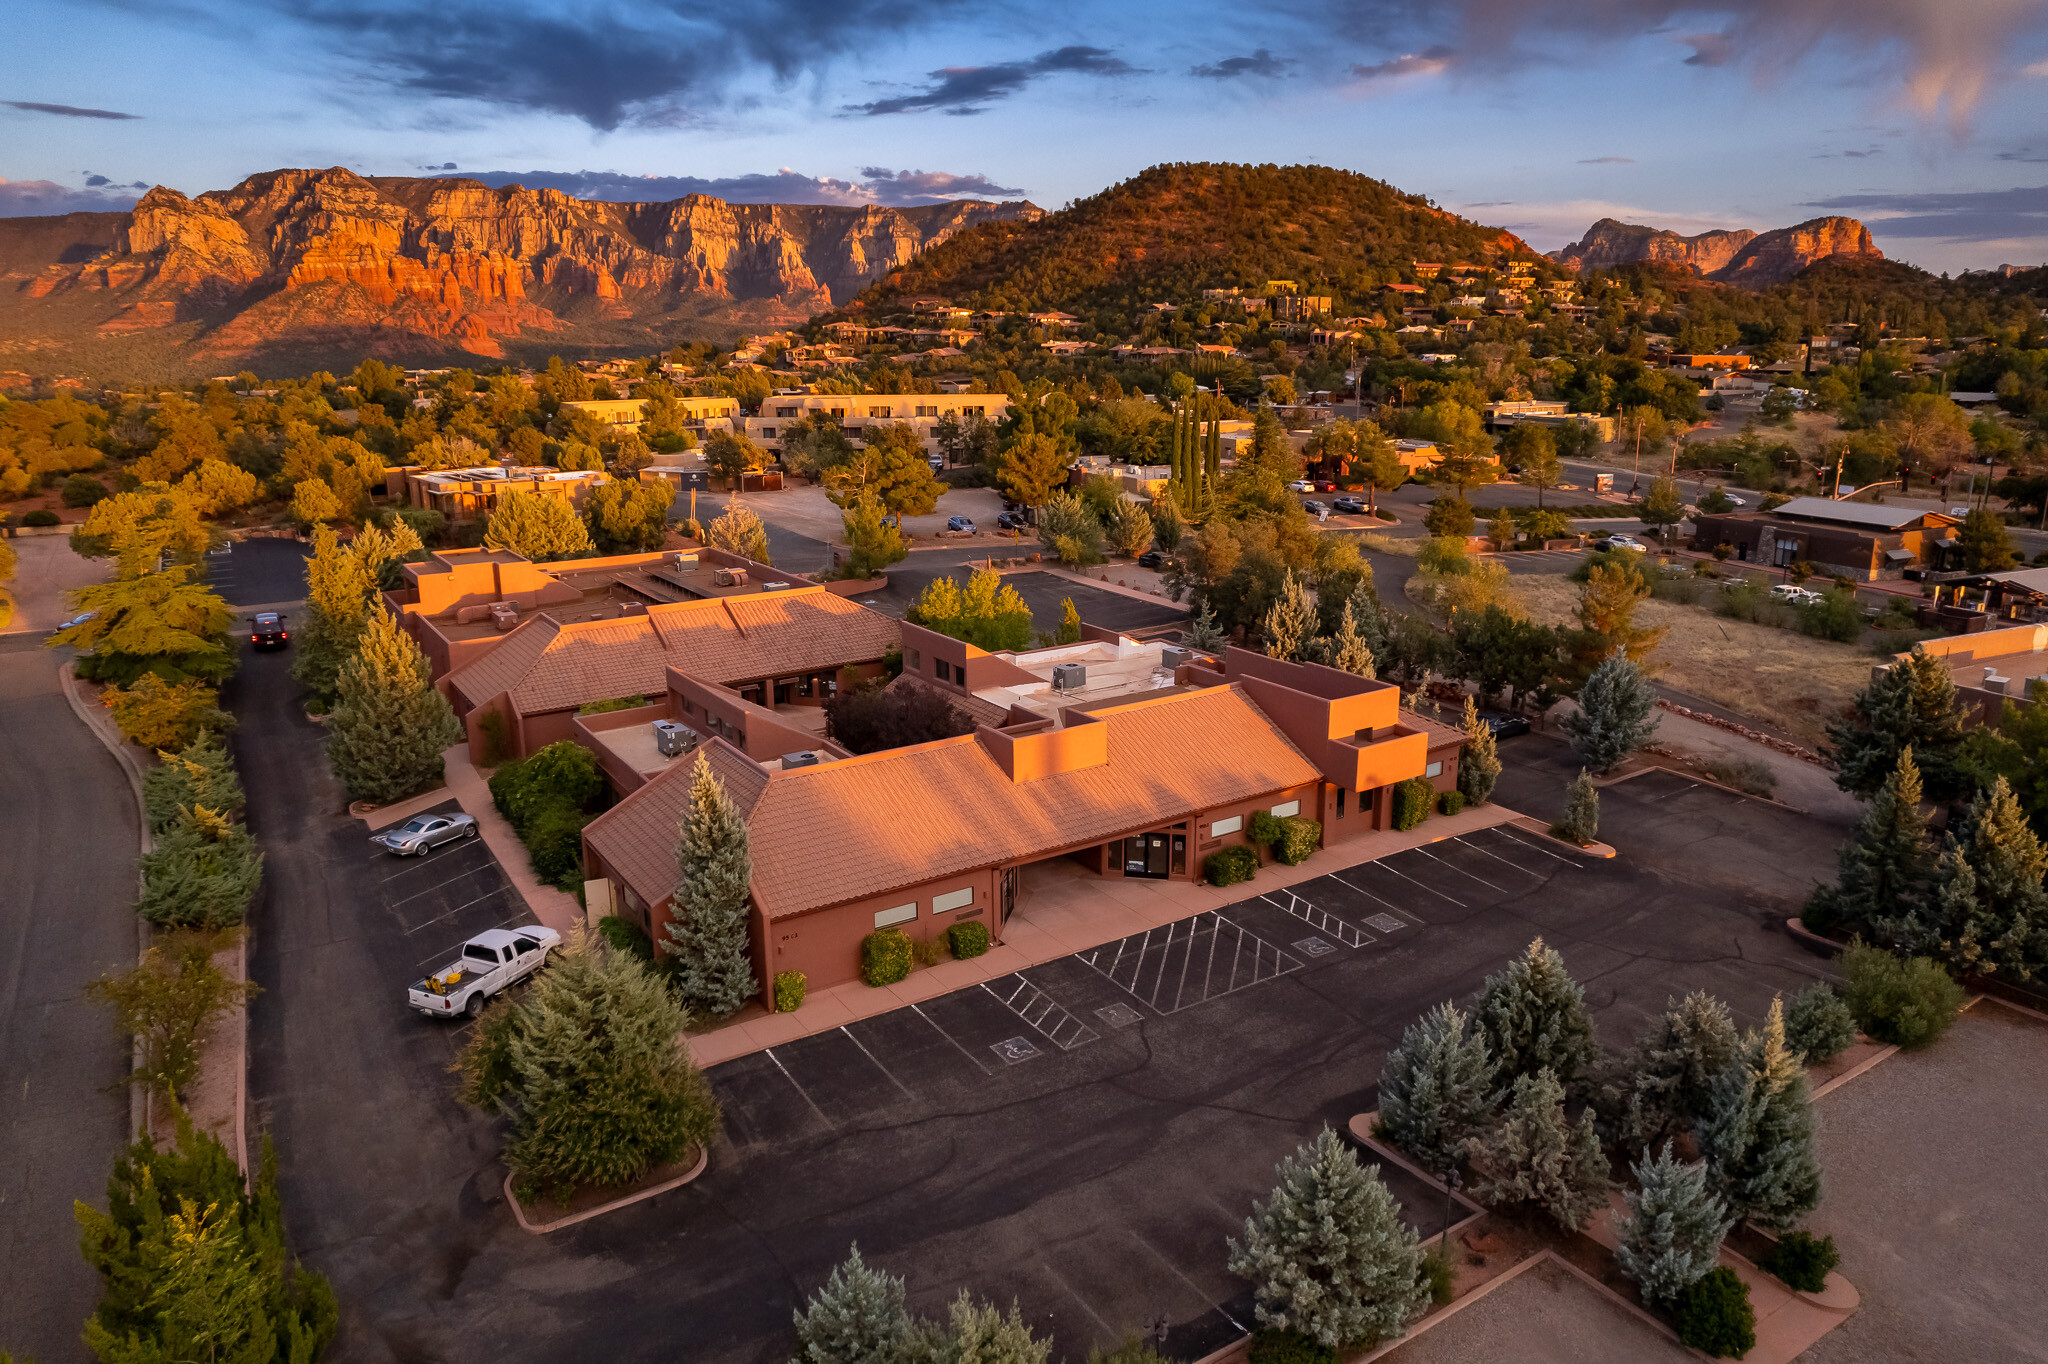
[1154, 856]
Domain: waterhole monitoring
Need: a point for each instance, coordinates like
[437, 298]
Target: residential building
[1732, 360]
[1861, 540]
[1300, 307]
[1534, 413]
[470, 494]
[856, 412]
[701, 414]
[1993, 666]
[1416, 455]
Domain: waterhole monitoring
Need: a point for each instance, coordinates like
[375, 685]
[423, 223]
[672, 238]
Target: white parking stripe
[879, 1066]
[1483, 852]
[950, 1038]
[459, 876]
[457, 910]
[1453, 866]
[1555, 857]
[1412, 881]
[770, 1053]
[1370, 896]
[1175, 1270]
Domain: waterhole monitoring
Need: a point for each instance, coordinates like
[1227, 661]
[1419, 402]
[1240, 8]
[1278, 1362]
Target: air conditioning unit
[807, 758]
[682, 559]
[1172, 657]
[729, 577]
[672, 739]
[1069, 677]
[775, 587]
[504, 615]
[633, 608]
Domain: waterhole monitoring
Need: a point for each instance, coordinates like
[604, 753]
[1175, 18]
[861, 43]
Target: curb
[1541, 830]
[1648, 767]
[542, 1228]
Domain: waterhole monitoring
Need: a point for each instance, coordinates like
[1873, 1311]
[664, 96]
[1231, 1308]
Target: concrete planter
[658, 1182]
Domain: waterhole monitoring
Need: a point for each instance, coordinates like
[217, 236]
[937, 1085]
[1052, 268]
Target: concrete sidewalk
[552, 907]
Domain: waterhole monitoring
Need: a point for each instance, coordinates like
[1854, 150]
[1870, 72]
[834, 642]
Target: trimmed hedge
[1267, 828]
[1229, 866]
[41, 516]
[1289, 1347]
[790, 987]
[1412, 799]
[1803, 1261]
[885, 956]
[1450, 802]
[1298, 838]
[968, 938]
[623, 935]
[1905, 1001]
[1714, 1315]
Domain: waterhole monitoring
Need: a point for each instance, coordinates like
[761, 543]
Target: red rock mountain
[297, 264]
[1739, 257]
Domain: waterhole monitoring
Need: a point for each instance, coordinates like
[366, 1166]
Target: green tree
[338, 596]
[1758, 1133]
[978, 1333]
[1986, 912]
[1437, 1089]
[731, 456]
[1912, 704]
[1536, 1158]
[1070, 622]
[390, 725]
[1819, 1025]
[8, 562]
[166, 1002]
[1882, 870]
[1070, 530]
[1672, 1233]
[1661, 507]
[629, 517]
[1504, 654]
[202, 774]
[1534, 1015]
[987, 613]
[587, 1063]
[872, 543]
[165, 715]
[1615, 715]
[314, 503]
[1986, 545]
[1349, 649]
[1535, 450]
[857, 1316]
[1465, 450]
[1167, 525]
[138, 528]
[1449, 517]
[706, 938]
[538, 526]
[901, 471]
[1031, 469]
[738, 531]
[1607, 609]
[1376, 462]
[1581, 822]
[1130, 527]
[201, 872]
[1479, 764]
[1669, 1074]
[1290, 626]
[1328, 1254]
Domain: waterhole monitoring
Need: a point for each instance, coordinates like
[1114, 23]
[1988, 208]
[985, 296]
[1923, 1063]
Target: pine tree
[1437, 1088]
[1819, 1025]
[856, 1317]
[1130, 527]
[1203, 632]
[739, 531]
[1581, 822]
[1758, 1133]
[1988, 912]
[978, 1333]
[1912, 704]
[1328, 1254]
[1536, 1158]
[338, 592]
[1614, 715]
[1347, 650]
[707, 937]
[1534, 1016]
[1290, 625]
[390, 725]
[1882, 871]
[1672, 1233]
[1668, 1076]
[873, 544]
[1479, 764]
[538, 526]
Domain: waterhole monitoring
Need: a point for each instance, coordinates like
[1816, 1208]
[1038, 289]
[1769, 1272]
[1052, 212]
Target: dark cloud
[95, 181]
[878, 185]
[33, 198]
[444, 166]
[1427, 62]
[1988, 215]
[970, 89]
[1708, 49]
[2023, 154]
[63, 110]
[1607, 161]
[1260, 63]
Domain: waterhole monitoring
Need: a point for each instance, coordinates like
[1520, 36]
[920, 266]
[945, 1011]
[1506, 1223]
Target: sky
[1927, 119]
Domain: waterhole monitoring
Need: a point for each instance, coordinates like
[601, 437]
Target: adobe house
[1861, 540]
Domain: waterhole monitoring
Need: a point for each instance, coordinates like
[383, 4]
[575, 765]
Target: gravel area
[1545, 1315]
[1937, 1196]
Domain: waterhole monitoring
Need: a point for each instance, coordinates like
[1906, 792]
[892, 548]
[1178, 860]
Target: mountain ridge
[1740, 256]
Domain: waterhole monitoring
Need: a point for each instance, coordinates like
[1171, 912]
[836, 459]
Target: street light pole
[1451, 1186]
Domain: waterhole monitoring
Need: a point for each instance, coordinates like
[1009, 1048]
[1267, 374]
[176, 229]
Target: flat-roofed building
[470, 494]
[700, 414]
[858, 411]
[1993, 667]
[1863, 540]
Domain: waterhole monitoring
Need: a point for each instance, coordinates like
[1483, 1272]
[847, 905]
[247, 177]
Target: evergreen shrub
[1803, 1261]
[1904, 1001]
[1819, 1025]
[1288, 1347]
[1412, 799]
[1450, 802]
[623, 935]
[790, 987]
[1266, 828]
[1298, 838]
[41, 516]
[1228, 866]
[1715, 1315]
[969, 938]
[885, 956]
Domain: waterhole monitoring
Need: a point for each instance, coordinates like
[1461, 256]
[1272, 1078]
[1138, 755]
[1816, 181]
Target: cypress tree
[1290, 625]
[1534, 1016]
[1581, 822]
[338, 590]
[707, 937]
[1328, 1254]
[1670, 1072]
[1479, 764]
[389, 724]
[1437, 1088]
[856, 1317]
[1881, 876]
[1672, 1233]
[1758, 1133]
[1912, 704]
[1614, 715]
[1989, 913]
[1536, 1158]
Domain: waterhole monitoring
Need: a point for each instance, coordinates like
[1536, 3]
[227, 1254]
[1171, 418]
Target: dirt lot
[1794, 681]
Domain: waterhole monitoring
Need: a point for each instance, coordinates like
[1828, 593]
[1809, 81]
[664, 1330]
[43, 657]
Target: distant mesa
[1754, 260]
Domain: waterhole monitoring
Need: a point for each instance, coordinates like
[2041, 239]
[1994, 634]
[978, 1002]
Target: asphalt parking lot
[258, 572]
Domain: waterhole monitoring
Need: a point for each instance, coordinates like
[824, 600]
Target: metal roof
[2032, 579]
[1850, 513]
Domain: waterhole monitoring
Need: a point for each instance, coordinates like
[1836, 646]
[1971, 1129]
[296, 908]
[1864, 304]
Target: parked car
[1795, 594]
[1504, 725]
[1627, 542]
[266, 630]
[1352, 505]
[1323, 485]
[1314, 506]
[79, 620]
[965, 523]
[1301, 485]
[488, 963]
[1012, 520]
[422, 833]
[1152, 558]
[1735, 500]
[936, 462]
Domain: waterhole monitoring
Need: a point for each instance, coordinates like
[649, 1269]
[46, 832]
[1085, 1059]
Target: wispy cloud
[33, 198]
[878, 185]
[1708, 49]
[1986, 215]
[1425, 63]
[1607, 161]
[1260, 63]
[64, 110]
[970, 89]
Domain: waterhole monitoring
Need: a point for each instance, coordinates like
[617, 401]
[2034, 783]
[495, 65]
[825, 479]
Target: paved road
[259, 572]
[67, 863]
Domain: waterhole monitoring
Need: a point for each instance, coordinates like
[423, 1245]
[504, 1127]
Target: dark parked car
[1352, 505]
[1503, 725]
[1313, 507]
[1152, 558]
[1012, 520]
[266, 630]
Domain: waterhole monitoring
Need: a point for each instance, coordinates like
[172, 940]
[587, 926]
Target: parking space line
[418, 863]
[770, 1053]
[1460, 870]
[1306, 910]
[879, 1066]
[1555, 857]
[1040, 1007]
[1175, 1270]
[457, 910]
[954, 1040]
[459, 876]
[1412, 881]
[1055, 1274]
[1381, 899]
[1483, 852]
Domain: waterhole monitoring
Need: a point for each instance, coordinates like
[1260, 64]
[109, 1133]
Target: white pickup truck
[489, 962]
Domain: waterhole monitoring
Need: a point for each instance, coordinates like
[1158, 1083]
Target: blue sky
[1925, 118]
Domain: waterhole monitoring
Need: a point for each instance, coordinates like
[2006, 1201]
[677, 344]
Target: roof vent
[807, 758]
[1172, 656]
[633, 608]
[504, 615]
[681, 559]
[775, 587]
[729, 577]
[1069, 676]
[673, 739]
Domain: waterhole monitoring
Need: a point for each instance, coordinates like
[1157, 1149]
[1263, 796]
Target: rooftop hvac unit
[633, 608]
[807, 758]
[1069, 677]
[775, 587]
[729, 577]
[672, 739]
[681, 559]
[504, 615]
[1172, 657]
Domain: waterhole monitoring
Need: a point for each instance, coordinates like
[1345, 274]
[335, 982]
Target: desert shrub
[885, 956]
[623, 935]
[1748, 776]
[1228, 866]
[1437, 1270]
[83, 490]
[1412, 799]
[1819, 1025]
[1803, 1261]
[1714, 1315]
[1450, 802]
[1836, 616]
[790, 987]
[969, 938]
[41, 516]
[1288, 1347]
[1905, 1001]
[1298, 838]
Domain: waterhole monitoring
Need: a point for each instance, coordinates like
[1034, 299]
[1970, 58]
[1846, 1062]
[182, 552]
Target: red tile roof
[637, 837]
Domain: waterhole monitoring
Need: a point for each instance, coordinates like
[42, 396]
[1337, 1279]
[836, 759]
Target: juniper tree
[1437, 1087]
[1668, 1076]
[1988, 913]
[1819, 1025]
[390, 725]
[1672, 1233]
[1581, 822]
[538, 526]
[1534, 1017]
[1203, 632]
[1328, 1254]
[1479, 764]
[739, 531]
[1347, 650]
[1290, 625]
[1614, 715]
[1912, 704]
[1758, 1133]
[856, 1317]
[1882, 871]
[978, 1333]
[706, 936]
[1130, 527]
[1535, 1158]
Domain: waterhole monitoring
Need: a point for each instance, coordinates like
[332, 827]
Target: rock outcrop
[298, 260]
[1754, 260]
[1776, 256]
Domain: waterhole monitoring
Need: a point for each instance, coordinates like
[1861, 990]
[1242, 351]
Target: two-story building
[856, 412]
[700, 414]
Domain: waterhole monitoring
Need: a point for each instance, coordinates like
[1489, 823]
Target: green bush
[1714, 1315]
[789, 991]
[1906, 1001]
[1436, 1268]
[1412, 799]
[1803, 1261]
[969, 938]
[885, 956]
[202, 873]
[623, 935]
[1228, 866]
[548, 798]
[1837, 616]
[1298, 838]
[1450, 802]
[1266, 829]
[41, 516]
[1288, 1347]
[1819, 1025]
[554, 844]
[200, 775]
[83, 490]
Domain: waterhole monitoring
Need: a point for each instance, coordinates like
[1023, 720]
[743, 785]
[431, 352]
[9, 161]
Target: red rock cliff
[1736, 257]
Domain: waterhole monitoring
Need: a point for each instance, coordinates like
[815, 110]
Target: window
[953, 899]
[902, 914]
[525, 945]
[768, 433]
[971, 412]
[1292, 807]
[1226, 826]
[1433, 770]
[926, 410]
[945, 670]
[1340, 802]
[786, 412]
[882, 412]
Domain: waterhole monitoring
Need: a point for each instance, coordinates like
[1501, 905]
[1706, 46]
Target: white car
[1627, 542]
[1795, 594]
[1301, 485]
[1735, 501]
[488, 963]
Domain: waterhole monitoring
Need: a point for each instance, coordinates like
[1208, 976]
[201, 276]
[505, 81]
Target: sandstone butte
[1755, 260]
[293, 255]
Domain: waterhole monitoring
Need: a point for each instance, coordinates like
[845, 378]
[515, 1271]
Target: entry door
[1009, 894]
[1145, 855]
